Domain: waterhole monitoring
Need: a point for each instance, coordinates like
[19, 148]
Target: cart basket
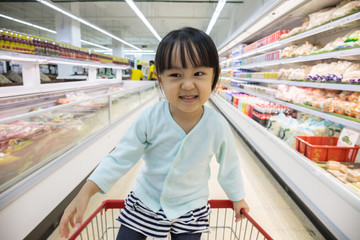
[102, 224]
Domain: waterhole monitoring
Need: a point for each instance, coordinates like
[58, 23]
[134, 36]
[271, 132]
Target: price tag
[347, 138]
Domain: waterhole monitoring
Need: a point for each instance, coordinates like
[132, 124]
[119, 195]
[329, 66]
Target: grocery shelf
[335, 86]
[22, 57]
[319, 113]
[340, 54]
[301, 36]
[316, 188]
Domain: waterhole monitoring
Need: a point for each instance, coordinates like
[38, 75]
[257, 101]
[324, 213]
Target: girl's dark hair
[193, 44]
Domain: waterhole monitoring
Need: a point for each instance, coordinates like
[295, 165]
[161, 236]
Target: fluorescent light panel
[85, 22]
[215, 15]
[143, 18]
[96, 45]
[26, 23]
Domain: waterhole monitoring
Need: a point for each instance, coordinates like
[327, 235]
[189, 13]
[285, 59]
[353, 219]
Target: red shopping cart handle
[116, 204]
[229, 204]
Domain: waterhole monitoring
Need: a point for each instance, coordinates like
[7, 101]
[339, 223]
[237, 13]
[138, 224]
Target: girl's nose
[187, 84]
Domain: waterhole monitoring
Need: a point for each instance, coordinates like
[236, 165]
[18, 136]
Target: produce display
[24, 43]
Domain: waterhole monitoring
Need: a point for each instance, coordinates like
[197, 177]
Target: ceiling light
[84, 22]
[26, 23]
[215, 15]
[96, 45]
[143, 18]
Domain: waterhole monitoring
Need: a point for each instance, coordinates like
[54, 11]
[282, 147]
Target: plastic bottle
[2, 41]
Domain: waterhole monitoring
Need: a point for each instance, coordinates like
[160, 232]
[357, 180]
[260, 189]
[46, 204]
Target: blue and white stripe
[141, 219]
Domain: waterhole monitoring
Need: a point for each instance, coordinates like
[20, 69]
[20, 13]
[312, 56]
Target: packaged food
[349, 108]
[332, 165]
[4, 80]
[13, 76]
[289, 51]
[296, 30]
[320, 17]
[305, 49]
[343, 168]
[300, 73]
[346, 9]
[357, 111]
[339, 106]
[353, 175]
[344, 95]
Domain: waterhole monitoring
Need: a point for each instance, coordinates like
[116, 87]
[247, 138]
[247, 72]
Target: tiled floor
[270, 205]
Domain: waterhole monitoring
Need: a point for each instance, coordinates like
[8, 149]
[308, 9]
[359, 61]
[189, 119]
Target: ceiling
[116, 17]
[119, 19]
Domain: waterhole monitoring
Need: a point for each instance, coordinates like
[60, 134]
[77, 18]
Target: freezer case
[31, 140]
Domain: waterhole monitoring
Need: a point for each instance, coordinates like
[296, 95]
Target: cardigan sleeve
[127, 153]
[229, 175]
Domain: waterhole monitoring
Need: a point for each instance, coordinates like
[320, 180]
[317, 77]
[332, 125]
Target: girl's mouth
[189, 99]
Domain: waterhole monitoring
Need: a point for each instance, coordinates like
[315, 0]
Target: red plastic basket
[321, 149]
[102, 224]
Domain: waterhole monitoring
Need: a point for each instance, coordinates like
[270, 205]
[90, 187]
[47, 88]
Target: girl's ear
[158, 77]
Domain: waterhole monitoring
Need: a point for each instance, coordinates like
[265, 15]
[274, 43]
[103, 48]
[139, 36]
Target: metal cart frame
[101, 224]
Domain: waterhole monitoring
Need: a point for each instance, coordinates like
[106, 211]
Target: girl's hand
[76, 208]
[238, 205]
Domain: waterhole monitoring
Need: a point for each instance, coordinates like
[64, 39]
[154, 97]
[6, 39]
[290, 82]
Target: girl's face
[186, 89]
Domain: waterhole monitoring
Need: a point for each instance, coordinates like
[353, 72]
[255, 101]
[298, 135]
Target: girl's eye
[199, 74]
[174, 75]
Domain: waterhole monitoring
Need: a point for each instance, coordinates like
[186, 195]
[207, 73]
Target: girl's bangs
[190, 52]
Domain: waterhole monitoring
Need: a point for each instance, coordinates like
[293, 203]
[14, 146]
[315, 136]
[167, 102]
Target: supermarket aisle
[270, 205]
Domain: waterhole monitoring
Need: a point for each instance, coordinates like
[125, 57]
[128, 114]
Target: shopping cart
[102, 224]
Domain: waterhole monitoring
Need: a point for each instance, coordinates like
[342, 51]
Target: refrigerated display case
[262, 77]
[31, 140]
[49, 130]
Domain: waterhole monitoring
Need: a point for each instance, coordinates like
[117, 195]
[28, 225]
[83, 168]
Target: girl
[176, 138]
